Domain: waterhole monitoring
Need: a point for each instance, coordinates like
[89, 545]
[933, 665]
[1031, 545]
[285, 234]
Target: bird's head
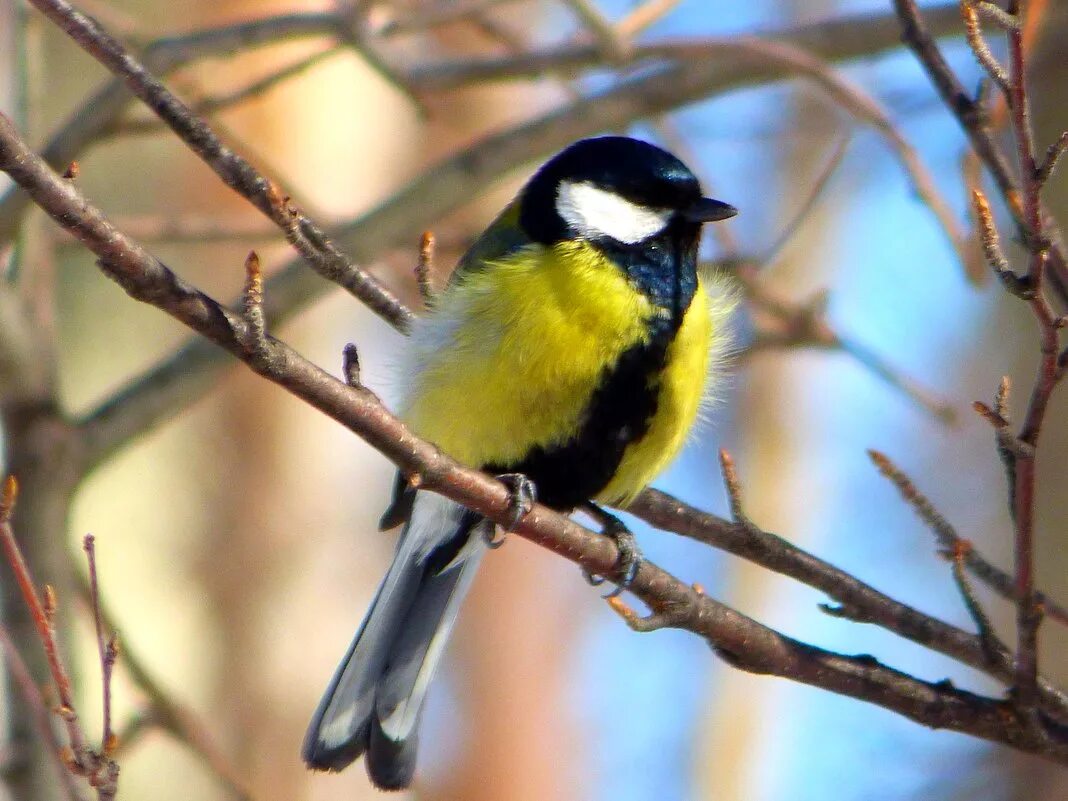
[617, 192]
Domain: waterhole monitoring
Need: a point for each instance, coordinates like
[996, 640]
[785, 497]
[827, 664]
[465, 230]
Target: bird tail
[374, 701]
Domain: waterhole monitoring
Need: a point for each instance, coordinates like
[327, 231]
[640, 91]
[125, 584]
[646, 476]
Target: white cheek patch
[595, 212]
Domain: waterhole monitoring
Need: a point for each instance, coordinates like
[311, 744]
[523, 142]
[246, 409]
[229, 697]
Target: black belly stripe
[622, 407]
[620, 412]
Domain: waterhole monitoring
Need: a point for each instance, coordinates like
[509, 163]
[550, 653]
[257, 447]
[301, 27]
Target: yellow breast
[681, 390]
[511, 354]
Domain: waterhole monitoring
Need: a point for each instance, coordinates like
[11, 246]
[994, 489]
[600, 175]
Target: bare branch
[975, 609]
[101, 771]
[308, 239]
[823, 179]
[920, 39]
[995, 14]
[643, 16]
[749, 644]
[784, 324]
[1022, 496]
[424, 266]
[1053, 156]
[419, 19]
[165, 713]
[185, 376]
[952, 543]
[979, 46]
[212, 105]
[609, 42]
[865, 602]
[1020, 286]
[106, 646]
[839, 39]
[97, 115]
[35, 702]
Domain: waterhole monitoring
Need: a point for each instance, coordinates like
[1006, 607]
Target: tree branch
[305, 236]
[843, 38]
[96, 766]
[188, 374]
[973, 121]
[749, 644]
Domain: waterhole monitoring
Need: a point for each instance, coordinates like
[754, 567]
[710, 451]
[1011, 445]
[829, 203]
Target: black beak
[708, 210]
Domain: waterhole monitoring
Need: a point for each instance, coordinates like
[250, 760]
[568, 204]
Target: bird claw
[523, 496]
[630, 556]
[489, 536]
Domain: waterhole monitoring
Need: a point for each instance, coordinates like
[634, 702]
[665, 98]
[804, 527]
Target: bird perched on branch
[570, 349]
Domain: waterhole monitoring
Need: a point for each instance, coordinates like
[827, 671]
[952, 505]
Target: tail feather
[374, 702]
[418, 648]
[339, 730]
[390, 764]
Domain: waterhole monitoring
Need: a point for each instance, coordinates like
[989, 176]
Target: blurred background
[238, 545]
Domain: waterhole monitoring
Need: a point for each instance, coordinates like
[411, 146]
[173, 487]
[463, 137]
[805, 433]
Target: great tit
[572, 346]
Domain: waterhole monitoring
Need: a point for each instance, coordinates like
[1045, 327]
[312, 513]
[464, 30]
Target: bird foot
[523, 496]
[630, 556]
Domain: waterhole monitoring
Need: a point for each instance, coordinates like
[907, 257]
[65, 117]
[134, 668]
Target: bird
[569, 354]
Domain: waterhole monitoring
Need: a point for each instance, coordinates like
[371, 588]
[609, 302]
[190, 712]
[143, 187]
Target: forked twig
[97, 767]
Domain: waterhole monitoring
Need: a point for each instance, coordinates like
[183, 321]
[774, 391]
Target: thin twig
[1053, 156]
[986, 631]
[424, 266]
[951, 542]
[101, 771]
[167, 714]
[306, 237]
[860, 601]
[1020, 286]
[21, 678]
[420, 19]
[212, 105]
[642, 17]
[255, 339]
[823, 179]
[614, 46]
[751, 645]
[995, 14]
[107, 647]
[973, 120]
[842, 38]
[782, 324]
[980, 48]
[732, 485]
[1028, 613]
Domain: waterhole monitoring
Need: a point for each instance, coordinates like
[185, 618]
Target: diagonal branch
[188, 374]
[747, 643]
[864, 602]
[918, 36]
[951, 542]
[100, 112]
[305, 236]
[838, 39]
